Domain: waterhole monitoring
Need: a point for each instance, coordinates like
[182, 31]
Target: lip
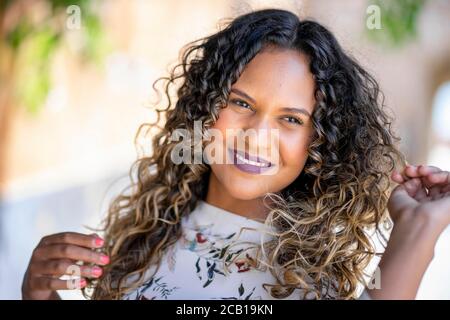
[247, 167]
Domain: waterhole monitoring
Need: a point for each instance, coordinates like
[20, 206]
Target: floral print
[217, 257]
[152, 289]
[242, 295]
[214, 252]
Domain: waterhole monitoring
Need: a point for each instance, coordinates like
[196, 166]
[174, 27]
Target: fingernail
[104, 259]
[82, 283]
[96, 271]
[99, 242]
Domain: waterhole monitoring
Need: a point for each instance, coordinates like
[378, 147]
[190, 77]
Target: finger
[403, 174]
[399, 201]
[421, 193]
[48, 283]
[434, 191]
[68, 251]
[414, 187]
[420, 171]
[425, 170]
[397, 177]
[64, 267]
[441, 178]
[411, 171]
[442, 195]
[78, 239]
[446, 188]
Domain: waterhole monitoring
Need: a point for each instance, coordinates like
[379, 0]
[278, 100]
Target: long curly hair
[323, 220]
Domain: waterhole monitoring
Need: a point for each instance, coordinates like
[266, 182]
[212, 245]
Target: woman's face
[273, 98]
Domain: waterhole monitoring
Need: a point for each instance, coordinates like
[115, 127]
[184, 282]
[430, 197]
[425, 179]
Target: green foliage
[96, 46]
[34, 45]
[398, 21]
[34, 75]
[18, 34]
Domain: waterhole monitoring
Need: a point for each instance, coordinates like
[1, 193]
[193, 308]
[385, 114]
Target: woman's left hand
[422, 190]
[420, 209]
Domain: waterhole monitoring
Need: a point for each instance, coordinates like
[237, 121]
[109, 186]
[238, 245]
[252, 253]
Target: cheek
[227, 120]
[294, 150]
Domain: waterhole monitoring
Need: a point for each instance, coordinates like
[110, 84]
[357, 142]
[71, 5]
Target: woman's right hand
[56, 255]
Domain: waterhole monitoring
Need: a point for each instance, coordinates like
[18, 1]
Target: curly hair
[322, 220]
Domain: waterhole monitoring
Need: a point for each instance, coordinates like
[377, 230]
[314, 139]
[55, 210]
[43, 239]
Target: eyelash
[296, 120]
[239, 102]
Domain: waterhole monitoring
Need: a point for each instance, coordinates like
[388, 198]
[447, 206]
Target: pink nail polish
[82, 283]
[99, 242]
[96, 271]
[104, 259]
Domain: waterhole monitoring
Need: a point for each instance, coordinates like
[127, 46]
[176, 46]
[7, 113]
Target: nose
[260, 135]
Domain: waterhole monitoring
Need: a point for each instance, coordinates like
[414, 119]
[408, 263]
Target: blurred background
[75, 84]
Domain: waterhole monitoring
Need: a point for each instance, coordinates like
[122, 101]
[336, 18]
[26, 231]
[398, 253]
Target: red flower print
[200, 237]
[245, 264]
[242, 266]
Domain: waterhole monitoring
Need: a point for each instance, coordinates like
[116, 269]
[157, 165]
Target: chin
[246, 189]
[245, 194]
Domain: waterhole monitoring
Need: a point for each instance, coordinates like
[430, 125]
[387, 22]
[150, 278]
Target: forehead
[281, 74]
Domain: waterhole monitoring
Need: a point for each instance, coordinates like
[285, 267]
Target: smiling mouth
[242, 157]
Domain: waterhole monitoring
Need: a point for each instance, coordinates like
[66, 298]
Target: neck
[220, 197]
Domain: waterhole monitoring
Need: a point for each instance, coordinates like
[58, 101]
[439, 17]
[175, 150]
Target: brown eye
[241, 104]
[293, 120]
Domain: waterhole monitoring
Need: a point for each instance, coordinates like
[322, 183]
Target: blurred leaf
[95, 47]
[34, 45]
[34, 91]
[34, 74]
[18, 34]
[398, 21]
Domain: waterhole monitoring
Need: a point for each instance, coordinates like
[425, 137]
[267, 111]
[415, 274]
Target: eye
[241, 103]
[293, 120]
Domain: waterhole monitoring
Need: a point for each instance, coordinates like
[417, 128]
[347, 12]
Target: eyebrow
[297, 110]
[243, 94]
[293, 110]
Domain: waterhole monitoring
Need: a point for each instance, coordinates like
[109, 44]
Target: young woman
[296, 223]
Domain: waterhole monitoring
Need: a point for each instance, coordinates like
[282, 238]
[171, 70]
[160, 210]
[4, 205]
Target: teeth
[253, 163]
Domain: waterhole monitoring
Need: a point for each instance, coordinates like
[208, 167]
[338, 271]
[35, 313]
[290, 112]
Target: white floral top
[216, 258]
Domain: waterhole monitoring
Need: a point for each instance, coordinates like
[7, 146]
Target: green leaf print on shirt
[160, 288]
[211, 263]
[242, 294]
[216, 252]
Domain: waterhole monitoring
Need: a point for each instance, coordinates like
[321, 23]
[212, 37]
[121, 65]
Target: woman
[291, 215]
